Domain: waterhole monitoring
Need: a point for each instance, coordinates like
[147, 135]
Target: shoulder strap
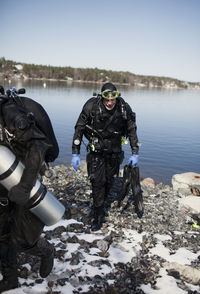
[95, 105]
[123, 108]
[3, 99]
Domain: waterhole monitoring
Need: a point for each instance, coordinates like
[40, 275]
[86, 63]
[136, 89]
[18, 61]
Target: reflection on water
[168, 123]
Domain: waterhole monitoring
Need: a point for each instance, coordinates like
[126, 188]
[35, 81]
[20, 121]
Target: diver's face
[109, 103]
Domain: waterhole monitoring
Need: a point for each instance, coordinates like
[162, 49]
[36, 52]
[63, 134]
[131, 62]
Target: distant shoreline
[11, 70]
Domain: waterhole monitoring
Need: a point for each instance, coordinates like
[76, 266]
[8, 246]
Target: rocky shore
[158, 253]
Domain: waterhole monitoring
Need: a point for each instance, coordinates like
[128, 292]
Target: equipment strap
[10, 170]
[109, 121]
[37, 197]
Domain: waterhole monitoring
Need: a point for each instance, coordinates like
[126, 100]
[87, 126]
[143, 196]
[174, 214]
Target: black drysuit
[20, 230]
[104, 130]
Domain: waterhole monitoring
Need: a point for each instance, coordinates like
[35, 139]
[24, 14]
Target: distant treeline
[22, 70]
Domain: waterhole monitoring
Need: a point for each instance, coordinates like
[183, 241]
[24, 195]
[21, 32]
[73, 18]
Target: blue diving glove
[134, 159]
[76, 161]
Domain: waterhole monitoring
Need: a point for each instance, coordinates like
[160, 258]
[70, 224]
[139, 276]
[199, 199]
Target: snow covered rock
[192, 275]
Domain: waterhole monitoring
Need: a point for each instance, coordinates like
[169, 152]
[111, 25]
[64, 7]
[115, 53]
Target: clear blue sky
[150, 37]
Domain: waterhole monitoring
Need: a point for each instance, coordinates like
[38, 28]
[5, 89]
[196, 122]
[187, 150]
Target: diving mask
[108, 94]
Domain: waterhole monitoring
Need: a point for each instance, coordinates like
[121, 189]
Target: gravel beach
[158, 253]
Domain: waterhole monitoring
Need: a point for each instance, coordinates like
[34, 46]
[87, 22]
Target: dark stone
[174, 273]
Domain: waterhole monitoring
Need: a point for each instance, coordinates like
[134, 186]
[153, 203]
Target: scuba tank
[41, 202]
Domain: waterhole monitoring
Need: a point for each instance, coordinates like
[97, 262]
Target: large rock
[149, 182]
[185, 181]
[192, 203]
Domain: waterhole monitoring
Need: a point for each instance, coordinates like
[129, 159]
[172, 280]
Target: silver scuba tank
[41, 202]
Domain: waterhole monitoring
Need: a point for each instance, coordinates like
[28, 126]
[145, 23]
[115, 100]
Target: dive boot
[45, 251]
[6, 285]
[46, 264]
[98, 218]
[8, 268]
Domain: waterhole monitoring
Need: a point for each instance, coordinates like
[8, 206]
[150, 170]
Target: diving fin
[131, 177]
[125, 183]
[137, 191]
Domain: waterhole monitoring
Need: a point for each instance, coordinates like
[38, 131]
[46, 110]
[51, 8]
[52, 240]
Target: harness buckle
[4, 202]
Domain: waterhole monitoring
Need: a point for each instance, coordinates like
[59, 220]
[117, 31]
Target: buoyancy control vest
[34, 112]
[106, 130]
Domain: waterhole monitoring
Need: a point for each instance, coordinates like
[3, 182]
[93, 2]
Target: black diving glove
[19, 194]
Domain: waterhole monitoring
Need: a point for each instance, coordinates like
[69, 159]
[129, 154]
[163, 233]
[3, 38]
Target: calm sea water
[168, 124]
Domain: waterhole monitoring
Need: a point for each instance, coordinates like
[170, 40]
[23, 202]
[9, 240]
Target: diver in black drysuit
[104, 125]
[20, 230]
